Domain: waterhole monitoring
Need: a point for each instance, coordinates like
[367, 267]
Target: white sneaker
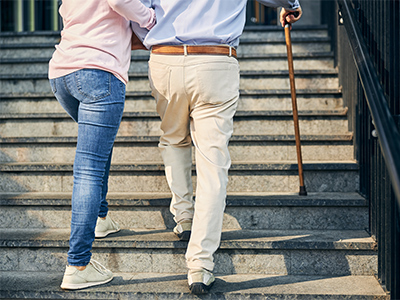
[183, 229]
[94, 274]
[200, 281]
[105, 226]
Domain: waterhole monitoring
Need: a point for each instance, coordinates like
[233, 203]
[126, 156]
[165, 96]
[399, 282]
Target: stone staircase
[275, 244]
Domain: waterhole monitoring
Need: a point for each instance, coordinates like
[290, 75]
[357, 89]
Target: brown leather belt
[193, 50]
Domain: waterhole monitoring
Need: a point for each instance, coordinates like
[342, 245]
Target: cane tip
[303, 191]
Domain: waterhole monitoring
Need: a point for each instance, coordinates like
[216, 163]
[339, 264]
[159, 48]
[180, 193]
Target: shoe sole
[98, 235]
[83, 285]
[200, 288]
[184, 236]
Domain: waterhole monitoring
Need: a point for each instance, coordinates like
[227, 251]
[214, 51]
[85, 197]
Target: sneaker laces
[98, 267]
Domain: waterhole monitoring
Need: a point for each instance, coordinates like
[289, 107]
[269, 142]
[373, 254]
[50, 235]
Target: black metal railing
[367, 51]
[29, 15]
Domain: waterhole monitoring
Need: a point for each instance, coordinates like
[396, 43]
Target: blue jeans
[95, 100]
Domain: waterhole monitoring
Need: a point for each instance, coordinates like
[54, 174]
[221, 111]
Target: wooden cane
[302, 191]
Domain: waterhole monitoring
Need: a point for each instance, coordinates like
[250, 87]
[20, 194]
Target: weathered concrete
[343, 211]
[145, 126]
[174, 286]
[241, 251]
[249, 152]
[272, 102]
[142, 177]
[269, 231]
[10, 84]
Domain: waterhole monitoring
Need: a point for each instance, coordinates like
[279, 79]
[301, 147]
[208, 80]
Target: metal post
[31, 15]
[54, 15]
[18, 16]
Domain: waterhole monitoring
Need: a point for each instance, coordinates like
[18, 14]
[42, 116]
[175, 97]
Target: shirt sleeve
[288, 4]
[139, 31]
[134, 10]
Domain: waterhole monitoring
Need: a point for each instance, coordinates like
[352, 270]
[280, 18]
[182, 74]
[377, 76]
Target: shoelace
[98, 267]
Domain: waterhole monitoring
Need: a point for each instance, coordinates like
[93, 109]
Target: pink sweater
[97, 35]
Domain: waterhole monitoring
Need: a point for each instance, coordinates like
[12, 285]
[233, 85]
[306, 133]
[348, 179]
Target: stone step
[271, 252]
[298, 31]
[271, 100]
[148, 124]
[249, 80]
[253, 211]
[149, 177]
[144, 148]
[36, 37]
[264, 46]
[247, 46]
[279, 61]
[40, 285]
[309, 61]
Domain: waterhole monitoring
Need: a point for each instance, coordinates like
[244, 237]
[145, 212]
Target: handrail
[388, 135]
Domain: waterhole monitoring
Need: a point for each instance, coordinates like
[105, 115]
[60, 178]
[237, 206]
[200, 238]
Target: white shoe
[200, 281]
[105, 226]
[94, 274]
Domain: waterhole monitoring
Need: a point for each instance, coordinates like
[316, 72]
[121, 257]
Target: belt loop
[185, 50]
[230, 51]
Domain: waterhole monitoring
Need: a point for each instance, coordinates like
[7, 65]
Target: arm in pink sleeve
[134, 10]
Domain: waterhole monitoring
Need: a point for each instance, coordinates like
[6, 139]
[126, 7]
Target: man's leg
[175, 142]
[214, 103]
[212, 127]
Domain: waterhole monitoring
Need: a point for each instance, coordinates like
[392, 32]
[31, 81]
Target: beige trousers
[196, 99]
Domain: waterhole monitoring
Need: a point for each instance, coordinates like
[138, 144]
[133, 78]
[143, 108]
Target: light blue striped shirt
[200, 22]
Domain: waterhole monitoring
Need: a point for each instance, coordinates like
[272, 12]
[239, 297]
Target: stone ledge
[158, 166]
[36, 285]
[277, 40]
[243, 74]
[243, 93]
[239, 115]
[163, 199]
[155, 139]
[305, 55]
[315, 240]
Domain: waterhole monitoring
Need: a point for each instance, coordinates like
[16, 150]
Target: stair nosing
[251, 56]
[155, 139]
[243, 93]
[152, 114]
[127, 199]
[173, 285]
[165, 239]
[159, 166]
[266, 73]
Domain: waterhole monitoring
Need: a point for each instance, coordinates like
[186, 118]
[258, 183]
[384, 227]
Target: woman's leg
[104, 204]
[101, 100]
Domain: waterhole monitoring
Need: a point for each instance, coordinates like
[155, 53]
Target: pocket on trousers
[159, 78]
[218, 83]
[93, 84]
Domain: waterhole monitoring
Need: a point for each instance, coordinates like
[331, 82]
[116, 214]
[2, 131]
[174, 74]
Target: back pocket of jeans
[218, 83]
[93, 84]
